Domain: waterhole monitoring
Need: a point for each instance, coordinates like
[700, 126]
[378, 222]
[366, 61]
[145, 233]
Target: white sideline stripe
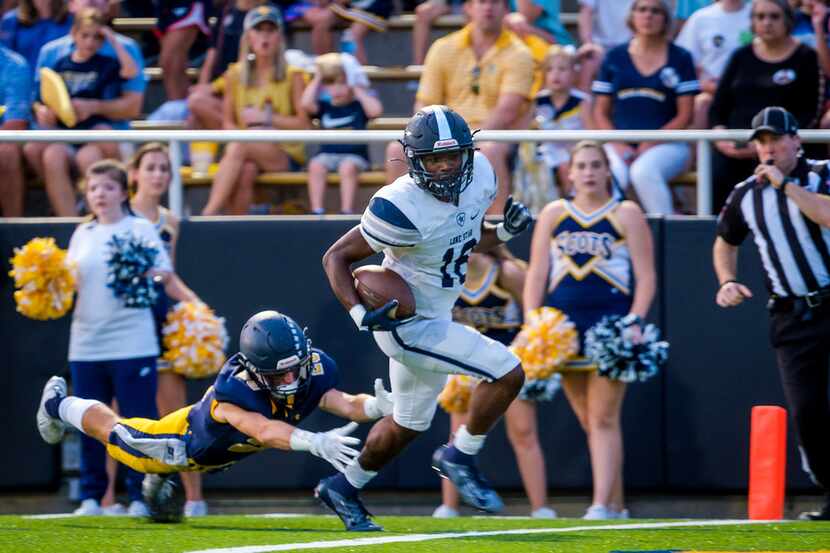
[52, 515]
[358, 542]
[288, 515]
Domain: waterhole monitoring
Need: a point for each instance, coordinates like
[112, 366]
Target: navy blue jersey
[489, 308]
[347, 117]
[214, 445]
[95, 79]
[640, 101]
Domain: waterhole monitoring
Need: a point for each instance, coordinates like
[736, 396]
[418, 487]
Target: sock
[358, 476]
[52, 406]
[72, 409]
[466, 442]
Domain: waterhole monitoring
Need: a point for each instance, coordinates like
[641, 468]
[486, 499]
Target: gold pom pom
[194, 340]
[455, 397]
[546, 342]
[45, 278]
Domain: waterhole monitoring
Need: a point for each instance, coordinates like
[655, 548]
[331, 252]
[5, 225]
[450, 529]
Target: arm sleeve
[330, 374]
[431, 89]
[688, 76]
[518, 79]
[17, 92]
[724, 101]
[604, 83]
[732, 226]
[139, 82]
[384, 225]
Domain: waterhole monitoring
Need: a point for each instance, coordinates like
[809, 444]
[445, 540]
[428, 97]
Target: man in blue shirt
[15, 98]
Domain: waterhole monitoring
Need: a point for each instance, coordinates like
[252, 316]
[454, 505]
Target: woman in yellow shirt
[261, 91]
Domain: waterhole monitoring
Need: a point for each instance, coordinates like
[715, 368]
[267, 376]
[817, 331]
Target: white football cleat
[51, 428]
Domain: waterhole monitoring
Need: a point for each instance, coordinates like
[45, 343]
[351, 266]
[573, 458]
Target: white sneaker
[195, 509]
[88, 508]
[599, 512]
[543, 512]
[51, 429]
[444, 511]
[114, 510]
[621, 515]
[137, 509]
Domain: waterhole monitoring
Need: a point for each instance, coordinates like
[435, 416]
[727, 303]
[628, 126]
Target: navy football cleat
[467, 478]
[350, 509]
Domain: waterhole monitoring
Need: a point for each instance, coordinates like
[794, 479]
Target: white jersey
[427, 241]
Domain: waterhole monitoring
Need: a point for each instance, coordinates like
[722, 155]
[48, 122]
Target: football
[376, 286]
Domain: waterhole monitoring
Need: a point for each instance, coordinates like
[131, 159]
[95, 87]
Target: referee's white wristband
[357, 313]
[503, 234]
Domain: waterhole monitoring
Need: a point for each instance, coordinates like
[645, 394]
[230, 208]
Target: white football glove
[333, 446]
[381, 405]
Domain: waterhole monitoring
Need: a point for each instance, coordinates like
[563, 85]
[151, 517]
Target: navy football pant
[133, 383]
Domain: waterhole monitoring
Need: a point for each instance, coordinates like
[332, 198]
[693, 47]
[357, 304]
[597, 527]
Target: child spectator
[34, 23]
[339, 105]
[93, 81]
[262, 91]
[15, 96]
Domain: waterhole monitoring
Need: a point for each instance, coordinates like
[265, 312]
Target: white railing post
[704, 177]
[176, 191]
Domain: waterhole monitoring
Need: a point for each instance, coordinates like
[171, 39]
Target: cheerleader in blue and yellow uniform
[587, 254]
[490, 302]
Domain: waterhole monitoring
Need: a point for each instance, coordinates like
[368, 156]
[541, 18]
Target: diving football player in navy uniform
[275, 381]
[427, 223]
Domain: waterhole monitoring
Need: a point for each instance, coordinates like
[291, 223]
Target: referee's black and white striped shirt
[795, 251]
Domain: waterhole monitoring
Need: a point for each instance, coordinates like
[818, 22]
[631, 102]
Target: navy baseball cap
[775, 120]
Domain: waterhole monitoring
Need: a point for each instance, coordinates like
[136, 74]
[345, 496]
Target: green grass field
[123, 535]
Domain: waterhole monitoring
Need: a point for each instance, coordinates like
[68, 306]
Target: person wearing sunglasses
[774, 70]
[647, 83]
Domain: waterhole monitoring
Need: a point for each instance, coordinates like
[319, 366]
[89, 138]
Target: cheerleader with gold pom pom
[586, 253]
[45, 279]
[490, 302]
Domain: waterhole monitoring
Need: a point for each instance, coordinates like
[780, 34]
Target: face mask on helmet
[287, 379]
[445, 185]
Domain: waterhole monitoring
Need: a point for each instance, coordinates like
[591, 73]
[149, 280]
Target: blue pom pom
[130, 259]
[541, 389]
[609, 346]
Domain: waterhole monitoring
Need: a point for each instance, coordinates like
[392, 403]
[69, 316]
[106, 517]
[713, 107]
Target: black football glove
[382, 318]
[517, 218]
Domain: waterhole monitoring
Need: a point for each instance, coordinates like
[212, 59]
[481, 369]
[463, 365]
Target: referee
[786, 206]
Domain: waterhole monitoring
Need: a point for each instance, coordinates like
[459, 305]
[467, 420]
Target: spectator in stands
[559, 106]
[425, 14]
[537, 17]
[684, 10]
[601, 27]
[261, 91]
[15, 97]
[774, 70]
[819, 39]
[362, 15]
[34, 23]
[204, 101]
[339, 105]
[485, 74]
[648, 83]
[149, 177]
[131, 99]
[179, 23]
[94, 84]
[711, 35]
[112, 348]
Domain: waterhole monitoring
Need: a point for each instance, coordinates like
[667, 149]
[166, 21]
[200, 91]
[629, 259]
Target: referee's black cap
[775, 120]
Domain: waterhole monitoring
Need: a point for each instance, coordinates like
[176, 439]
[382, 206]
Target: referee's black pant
[802, 346]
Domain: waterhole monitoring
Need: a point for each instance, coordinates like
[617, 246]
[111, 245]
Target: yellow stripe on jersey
[174, 425]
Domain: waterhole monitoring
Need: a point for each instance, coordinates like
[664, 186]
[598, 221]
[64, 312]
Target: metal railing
[702, 139]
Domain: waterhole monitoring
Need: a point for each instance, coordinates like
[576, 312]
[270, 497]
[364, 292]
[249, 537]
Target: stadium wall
[686, 430]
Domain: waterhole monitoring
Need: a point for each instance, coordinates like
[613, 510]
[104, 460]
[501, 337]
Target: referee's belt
[784, 304]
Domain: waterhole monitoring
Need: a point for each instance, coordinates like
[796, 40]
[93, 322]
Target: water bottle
[347, 42]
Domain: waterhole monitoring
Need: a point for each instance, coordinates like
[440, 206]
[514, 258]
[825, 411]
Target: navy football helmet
[271, 345]
[435, 130]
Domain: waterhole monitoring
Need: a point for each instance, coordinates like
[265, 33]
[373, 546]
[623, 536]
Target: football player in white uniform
[427, 223]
